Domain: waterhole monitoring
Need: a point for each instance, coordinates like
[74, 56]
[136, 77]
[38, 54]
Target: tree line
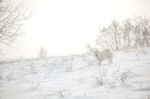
[130, 33]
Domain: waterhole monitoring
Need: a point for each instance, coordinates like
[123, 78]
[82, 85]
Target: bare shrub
[101, 77]
[42, 52]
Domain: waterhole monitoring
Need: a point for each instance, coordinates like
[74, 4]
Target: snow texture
[78, 77]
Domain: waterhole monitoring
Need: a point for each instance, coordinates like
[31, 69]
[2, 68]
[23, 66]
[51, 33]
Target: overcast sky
[67, 26]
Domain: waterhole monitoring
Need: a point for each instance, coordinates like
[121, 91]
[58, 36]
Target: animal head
[97, 54]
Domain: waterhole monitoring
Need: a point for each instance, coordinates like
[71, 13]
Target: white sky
[67, 26]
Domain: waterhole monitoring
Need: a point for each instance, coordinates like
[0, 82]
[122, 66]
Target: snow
[77, 77]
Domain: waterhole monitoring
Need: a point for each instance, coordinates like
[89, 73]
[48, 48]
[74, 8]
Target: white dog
[104, 55]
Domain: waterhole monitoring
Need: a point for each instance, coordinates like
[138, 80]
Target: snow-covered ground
[77, 77]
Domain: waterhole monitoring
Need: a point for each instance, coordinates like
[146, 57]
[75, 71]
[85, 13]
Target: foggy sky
[66, 26]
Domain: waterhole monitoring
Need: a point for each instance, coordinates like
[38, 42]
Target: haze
[65, 27]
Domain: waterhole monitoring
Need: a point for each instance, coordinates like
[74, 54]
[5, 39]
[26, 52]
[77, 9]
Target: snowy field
[78, 77]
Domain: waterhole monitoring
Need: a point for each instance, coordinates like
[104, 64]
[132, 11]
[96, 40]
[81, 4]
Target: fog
[65, 27]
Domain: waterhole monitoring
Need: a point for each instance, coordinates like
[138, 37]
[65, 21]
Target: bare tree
[104, 39]
[132, 33]
[110, 36]
[126, 31]
[145, 32]
[10, 21]
[142, 32]
[114, 29]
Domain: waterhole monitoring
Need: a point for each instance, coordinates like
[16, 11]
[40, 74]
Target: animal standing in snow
[104, 55]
